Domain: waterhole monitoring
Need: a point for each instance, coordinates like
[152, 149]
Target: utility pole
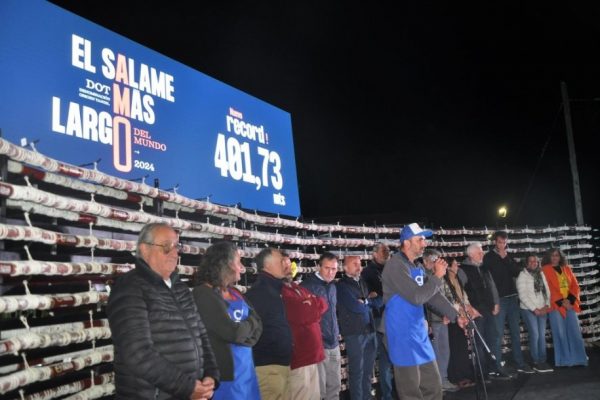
[572, 156]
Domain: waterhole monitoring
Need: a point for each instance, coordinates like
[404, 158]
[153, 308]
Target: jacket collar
[147, 272]
[318, 278]
[468, 261]
[352, 278]
[377, 265]
[270, 279]
[412, 264]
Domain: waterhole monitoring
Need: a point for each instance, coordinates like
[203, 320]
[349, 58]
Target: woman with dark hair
[232, 324]
[460, 368]
[569, 348]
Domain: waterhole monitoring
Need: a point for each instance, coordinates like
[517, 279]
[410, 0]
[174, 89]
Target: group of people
[407, 313]
[489, 291]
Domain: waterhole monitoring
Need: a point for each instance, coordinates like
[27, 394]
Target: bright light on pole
[502, 211]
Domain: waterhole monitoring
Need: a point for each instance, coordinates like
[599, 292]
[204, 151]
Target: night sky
[437, 113]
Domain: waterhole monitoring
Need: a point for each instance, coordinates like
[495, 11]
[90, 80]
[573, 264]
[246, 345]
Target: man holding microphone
[405, 291]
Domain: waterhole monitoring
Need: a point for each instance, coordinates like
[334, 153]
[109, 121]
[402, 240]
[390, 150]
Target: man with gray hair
[483, 296]
[161, 346]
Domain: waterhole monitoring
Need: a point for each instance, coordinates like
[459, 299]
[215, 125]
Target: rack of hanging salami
[66, 232]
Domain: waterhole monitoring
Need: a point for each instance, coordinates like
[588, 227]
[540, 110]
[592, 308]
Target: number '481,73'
[234, 159]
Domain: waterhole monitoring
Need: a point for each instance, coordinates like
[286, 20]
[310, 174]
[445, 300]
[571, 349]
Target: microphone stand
[471, 330]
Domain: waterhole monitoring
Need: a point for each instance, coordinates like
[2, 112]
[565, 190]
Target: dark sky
[432, 112]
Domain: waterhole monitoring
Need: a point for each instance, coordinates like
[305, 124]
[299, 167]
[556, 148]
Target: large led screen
[83, 93]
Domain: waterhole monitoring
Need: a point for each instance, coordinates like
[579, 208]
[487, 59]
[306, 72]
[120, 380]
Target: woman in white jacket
[534, 296]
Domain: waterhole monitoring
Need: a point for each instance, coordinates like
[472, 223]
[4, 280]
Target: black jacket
[480, 287]
[160, 343]
[222, 330]
[371, 274]
[275, 343]
[504, 271]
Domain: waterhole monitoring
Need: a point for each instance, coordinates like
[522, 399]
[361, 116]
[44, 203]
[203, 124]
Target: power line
[539, 162]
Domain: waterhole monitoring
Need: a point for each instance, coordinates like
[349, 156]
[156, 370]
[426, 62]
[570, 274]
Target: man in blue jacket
[405, 291]
[321, 284]
[357, 327]
[273, 351]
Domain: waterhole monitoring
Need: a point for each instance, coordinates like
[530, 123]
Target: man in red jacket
[304, 311]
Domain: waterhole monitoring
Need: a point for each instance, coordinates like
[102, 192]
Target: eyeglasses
[167, 247]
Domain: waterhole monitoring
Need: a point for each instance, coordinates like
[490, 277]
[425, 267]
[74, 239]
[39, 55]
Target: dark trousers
[386, 370]
[486, 324]
[460, 366]
[361, 351]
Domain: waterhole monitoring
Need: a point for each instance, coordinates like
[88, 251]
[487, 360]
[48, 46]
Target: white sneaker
[542, 367]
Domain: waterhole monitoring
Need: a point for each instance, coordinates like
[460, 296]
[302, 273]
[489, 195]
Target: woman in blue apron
[232, 324]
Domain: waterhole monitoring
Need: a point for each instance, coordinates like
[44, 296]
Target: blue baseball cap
[413, 230]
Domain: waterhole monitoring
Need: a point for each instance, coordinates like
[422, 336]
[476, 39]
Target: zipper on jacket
[189, 328]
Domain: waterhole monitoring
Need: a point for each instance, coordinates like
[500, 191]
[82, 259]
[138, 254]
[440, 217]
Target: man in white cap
[405, 291]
